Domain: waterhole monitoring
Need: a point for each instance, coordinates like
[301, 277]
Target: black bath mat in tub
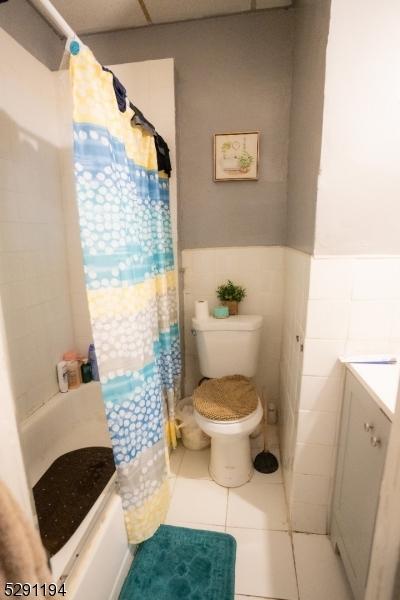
[67, 491]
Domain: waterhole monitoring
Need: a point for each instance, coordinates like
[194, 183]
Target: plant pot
[232, 305]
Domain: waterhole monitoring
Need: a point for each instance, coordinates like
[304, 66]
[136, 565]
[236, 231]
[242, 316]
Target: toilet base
[230, 462]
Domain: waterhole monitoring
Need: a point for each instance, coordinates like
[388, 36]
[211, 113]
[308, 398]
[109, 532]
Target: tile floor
[271, 563]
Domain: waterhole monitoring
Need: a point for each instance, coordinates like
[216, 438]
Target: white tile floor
[270, 562]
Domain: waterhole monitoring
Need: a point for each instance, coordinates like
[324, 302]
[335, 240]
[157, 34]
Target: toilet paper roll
[201, 309]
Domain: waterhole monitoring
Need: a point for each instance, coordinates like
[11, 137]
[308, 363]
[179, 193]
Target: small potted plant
[230, 296]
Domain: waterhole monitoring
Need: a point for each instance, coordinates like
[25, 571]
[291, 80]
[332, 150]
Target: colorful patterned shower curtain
[131, 287]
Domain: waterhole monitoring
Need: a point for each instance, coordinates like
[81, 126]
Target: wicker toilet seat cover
[226, 399]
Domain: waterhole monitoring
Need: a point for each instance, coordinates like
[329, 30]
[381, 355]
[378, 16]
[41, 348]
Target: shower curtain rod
[47, 9]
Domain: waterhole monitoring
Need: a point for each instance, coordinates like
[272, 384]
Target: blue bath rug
[183, 564]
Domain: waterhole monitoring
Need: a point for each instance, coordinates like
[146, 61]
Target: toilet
[229, 347]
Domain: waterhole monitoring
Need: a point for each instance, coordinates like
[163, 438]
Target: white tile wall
[12, 470]
[309, 517]
[315, 427]
[370, 289]
[297, 265]
[34, 285]
[79, 307]
[353, 308]
[321, 393]
[376, 279]
[328, 319]
[311, 489]
[321, 356]
[371, 319]
[331, 281]
[260, 269]
[313, 459]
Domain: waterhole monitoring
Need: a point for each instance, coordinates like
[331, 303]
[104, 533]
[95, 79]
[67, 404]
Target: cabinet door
[359, 475]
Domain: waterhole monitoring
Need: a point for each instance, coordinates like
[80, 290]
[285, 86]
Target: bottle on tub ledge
[93, 363]
[73, 360]
[62, 376]
[86, 371]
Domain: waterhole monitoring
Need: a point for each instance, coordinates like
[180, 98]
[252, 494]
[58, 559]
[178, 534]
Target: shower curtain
[131, 287]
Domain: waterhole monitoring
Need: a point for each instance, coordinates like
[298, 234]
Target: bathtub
[95, 560]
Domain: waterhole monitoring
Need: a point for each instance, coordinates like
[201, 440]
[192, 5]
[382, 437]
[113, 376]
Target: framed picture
[236, 156]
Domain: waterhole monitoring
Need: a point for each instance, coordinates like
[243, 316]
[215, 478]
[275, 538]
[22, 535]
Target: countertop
[381, 382]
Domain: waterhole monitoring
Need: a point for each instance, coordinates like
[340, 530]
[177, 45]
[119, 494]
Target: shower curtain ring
[74, 47]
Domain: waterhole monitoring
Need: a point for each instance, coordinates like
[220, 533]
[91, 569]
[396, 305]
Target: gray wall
[25, 25]
[232, 74]
[309, 51]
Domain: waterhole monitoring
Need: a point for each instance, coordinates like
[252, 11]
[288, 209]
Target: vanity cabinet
[363, 440]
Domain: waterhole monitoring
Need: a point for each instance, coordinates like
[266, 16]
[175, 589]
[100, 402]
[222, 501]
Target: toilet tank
[228, 346]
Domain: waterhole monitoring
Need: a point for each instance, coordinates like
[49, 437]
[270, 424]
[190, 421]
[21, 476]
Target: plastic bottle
[86, 371]
[93, 363]
[62, 376]
[73, 369]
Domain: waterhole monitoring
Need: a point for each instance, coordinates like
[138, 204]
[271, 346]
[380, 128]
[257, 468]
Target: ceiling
[94, 16]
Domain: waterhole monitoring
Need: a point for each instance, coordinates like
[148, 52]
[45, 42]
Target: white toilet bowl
[229, 347]
[230, 462]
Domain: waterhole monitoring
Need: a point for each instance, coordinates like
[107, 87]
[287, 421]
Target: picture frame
[236, 156]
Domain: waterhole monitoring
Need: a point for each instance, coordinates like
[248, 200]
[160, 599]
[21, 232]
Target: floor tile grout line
[275, 483]
[259, 483]
[260, 597]
[256, 528]
[294, 563]
[197, 523]
[194, 523]
[227, 526]
[290, 532]
[252, 482]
